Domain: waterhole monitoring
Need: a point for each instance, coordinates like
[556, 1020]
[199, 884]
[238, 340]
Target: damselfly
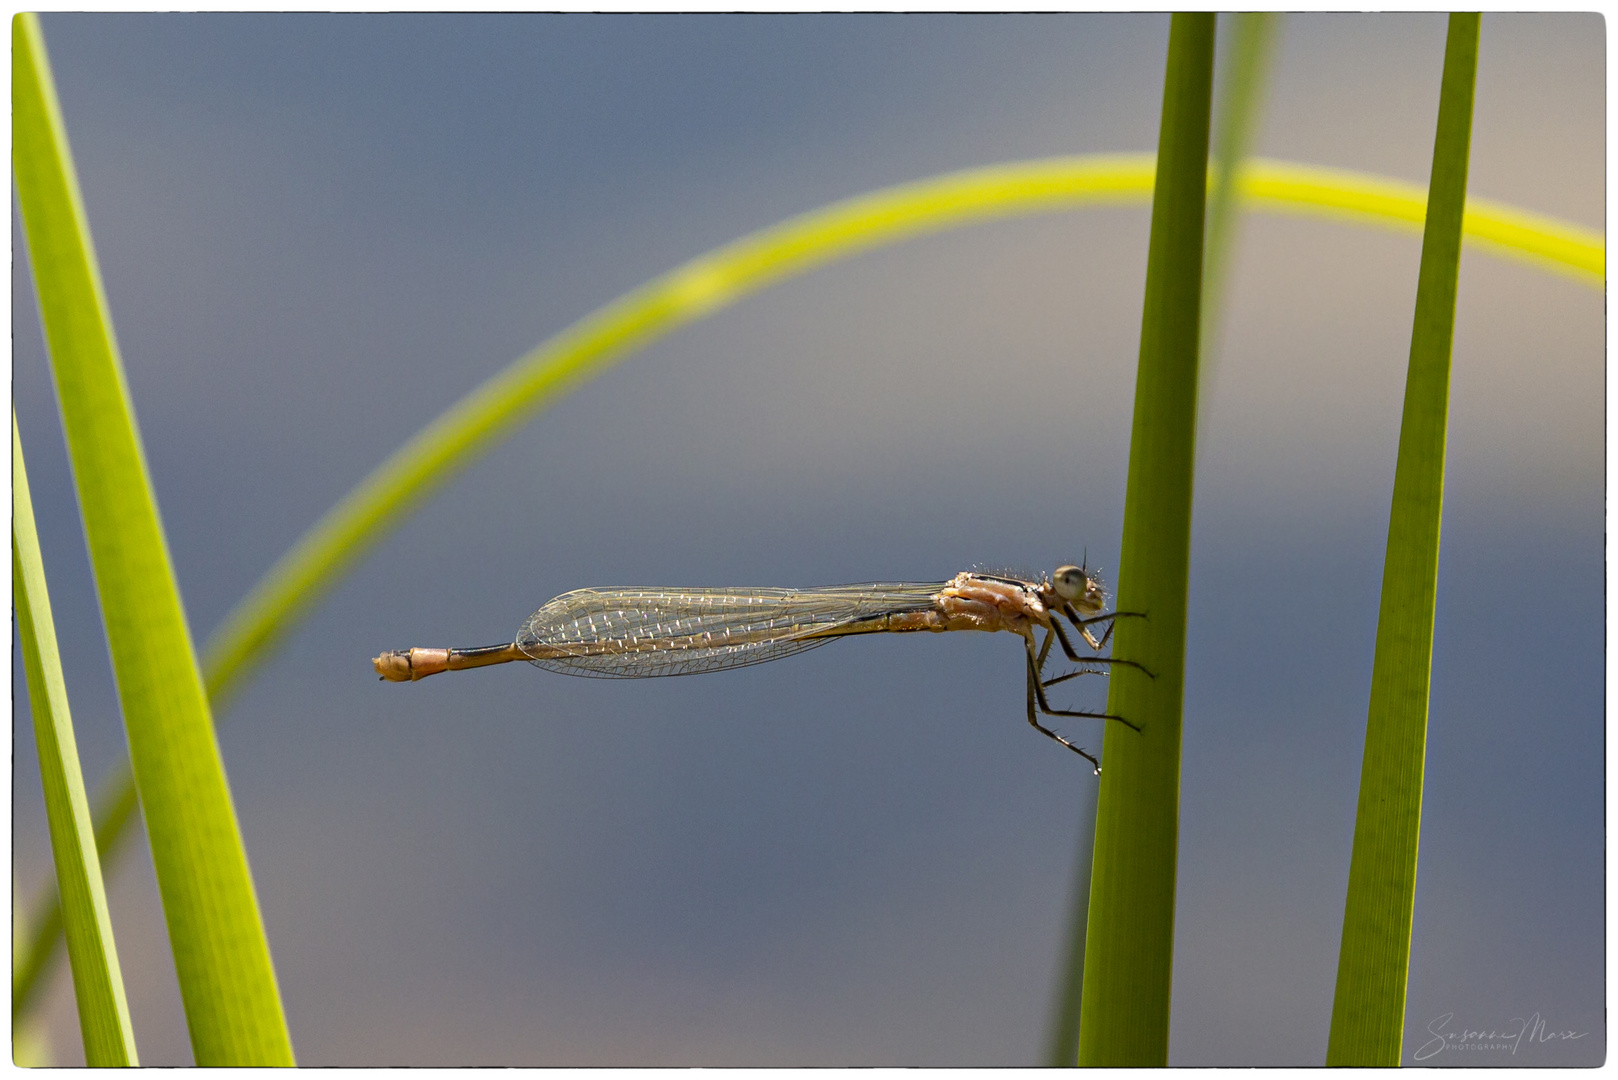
[634, 633]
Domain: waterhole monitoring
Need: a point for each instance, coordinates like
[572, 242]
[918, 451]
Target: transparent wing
[637, 633]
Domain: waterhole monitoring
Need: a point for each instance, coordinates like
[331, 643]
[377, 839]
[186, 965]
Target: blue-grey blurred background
[317, 232]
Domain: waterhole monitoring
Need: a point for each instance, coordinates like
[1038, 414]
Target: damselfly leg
[1038, 703]
[1078, 658]
[1082, 625]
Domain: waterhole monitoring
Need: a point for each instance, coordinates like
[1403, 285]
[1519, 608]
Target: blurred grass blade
[476, 423]
[684, 295]
[31, 1045]
[98, 983]
[1367, 1023]
[754, 262]
[722, 277]
[1361, 198]
[1062, 1044]
[1130, 940]
[226, 981]
[1252, 44]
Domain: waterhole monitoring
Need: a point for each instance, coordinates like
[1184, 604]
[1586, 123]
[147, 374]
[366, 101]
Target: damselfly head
[1079, 587]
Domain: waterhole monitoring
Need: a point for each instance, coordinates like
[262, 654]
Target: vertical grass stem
[1243, 84]
[1130, 941]
[1367, 1024]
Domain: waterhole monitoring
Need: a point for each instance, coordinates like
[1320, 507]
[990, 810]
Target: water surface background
[319, 231]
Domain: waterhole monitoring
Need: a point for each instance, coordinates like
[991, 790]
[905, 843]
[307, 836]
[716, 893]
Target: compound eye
[1071, 582]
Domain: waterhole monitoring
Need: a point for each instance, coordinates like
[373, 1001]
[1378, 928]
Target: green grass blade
[1247, 68]
[227, 984]
[1361, 198]
[98, 983]
[1367, 1024]
[476, 423]
[31, 958]
[1253, 35]
[1130, 947]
